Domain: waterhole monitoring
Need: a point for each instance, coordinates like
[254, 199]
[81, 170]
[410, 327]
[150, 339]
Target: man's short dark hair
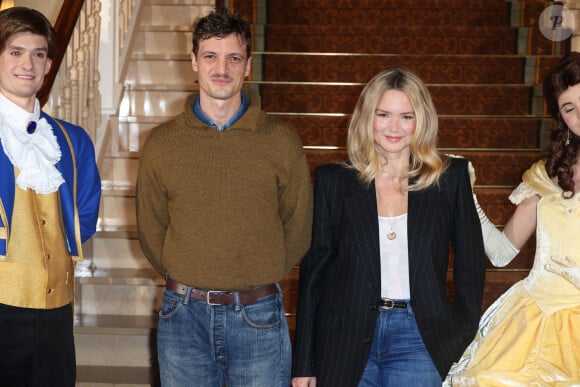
[218, 24]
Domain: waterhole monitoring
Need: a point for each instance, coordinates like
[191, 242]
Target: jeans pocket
[265, 313]
[171, 304]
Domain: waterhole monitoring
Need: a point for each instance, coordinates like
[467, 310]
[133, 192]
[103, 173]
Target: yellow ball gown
[530, 336]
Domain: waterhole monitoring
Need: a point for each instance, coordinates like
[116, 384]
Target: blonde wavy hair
[426, 164]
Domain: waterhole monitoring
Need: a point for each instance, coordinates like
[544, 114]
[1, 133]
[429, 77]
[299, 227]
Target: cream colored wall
[50, 8]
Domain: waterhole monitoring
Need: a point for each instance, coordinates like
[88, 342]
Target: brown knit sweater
[225, 210]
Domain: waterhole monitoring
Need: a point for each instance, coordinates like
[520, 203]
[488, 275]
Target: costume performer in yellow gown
[530, 336]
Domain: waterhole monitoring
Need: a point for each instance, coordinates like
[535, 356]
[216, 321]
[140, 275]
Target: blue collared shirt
[205, 119]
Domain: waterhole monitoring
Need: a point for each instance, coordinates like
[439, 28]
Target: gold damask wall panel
[360, 69]
[386, 39]
[448, 99]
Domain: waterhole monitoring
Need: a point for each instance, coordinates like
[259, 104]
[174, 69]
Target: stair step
[172, 41]
[157, 103]
[121, 231]
[386, 39]
[474, 5]
[464, 131]
[499, 167]
[397, 13]
[447, 69]
[177, 2]
[116, 376]
[122, 171]
[168, 13]
[116, 252]
[170, 73]
[131, 134]
[448, 99]
[494, 167]
[118, 276]
[112, 350]
[118, 291]
[117, 210]
[164, 87]
[114, 324]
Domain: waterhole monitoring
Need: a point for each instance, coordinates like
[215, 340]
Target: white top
[394, 258]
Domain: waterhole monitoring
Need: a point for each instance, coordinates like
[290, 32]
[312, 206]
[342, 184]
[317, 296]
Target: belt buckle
[208, 296]
[389, 303]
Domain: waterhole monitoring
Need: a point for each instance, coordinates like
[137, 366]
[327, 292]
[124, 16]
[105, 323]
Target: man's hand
[567, 268]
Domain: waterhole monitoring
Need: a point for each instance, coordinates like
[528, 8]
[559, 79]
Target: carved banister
[64, 26]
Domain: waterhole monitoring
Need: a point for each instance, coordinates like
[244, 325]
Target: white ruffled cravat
[34, 154]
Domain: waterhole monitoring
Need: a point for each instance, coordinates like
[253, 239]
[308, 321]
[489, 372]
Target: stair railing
[71, 89]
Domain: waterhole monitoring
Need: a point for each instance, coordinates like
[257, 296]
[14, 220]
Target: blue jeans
[398, 356]
[203, 345]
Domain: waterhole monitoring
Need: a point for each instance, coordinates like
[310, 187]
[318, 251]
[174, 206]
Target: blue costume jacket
[80, 194]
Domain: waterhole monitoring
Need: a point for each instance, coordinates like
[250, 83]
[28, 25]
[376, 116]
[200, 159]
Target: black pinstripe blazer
[340, 275]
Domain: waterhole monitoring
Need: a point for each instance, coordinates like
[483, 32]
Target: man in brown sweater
[224, 211]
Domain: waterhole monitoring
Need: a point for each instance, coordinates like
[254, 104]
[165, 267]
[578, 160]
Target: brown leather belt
[218, 297]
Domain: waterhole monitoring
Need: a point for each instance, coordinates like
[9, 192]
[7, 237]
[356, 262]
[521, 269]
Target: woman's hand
[309, 381]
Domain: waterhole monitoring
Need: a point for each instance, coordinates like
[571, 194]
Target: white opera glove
[498, 248]
[566, 268]
[471, 171]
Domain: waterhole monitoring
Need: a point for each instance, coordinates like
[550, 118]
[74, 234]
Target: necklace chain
[391, 234]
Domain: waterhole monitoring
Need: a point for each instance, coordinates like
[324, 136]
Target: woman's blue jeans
[398, 356]
[203, 345]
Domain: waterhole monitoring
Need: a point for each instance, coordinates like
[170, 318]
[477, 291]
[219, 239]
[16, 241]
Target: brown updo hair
[562, 157]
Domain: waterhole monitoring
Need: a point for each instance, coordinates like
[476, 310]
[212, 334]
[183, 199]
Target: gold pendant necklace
[396, 208]
[391, 234]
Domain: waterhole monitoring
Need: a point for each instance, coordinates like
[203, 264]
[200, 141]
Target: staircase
[483, 61]
[117, 291]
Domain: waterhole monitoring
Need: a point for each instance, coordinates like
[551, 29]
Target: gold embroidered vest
[38, 271]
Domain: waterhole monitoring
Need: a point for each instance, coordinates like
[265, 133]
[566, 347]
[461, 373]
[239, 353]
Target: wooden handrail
[64, 26]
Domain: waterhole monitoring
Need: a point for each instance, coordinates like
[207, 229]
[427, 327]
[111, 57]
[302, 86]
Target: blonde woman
[373, 308]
